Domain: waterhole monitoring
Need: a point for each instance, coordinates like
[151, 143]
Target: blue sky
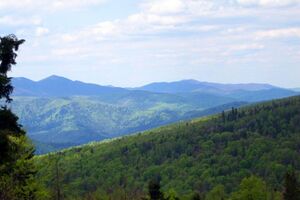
[131, 43]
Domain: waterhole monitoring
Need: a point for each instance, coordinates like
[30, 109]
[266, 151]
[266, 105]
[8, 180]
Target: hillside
[58, 112]
[54, 123]
[261, 140]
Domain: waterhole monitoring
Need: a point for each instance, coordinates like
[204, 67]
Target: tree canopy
[8, 47]
[17, 171]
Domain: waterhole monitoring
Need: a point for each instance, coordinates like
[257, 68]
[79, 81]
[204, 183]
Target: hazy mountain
[197, 86]
[296, 89]
[59, 86]
[58, 112]
[261, 95]
[252, 92]
[55, 86]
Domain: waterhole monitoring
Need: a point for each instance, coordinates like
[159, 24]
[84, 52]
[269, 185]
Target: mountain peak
[190, 81]
[55, 78]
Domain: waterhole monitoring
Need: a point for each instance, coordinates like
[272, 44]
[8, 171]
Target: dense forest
[56, 123]
[247, 153]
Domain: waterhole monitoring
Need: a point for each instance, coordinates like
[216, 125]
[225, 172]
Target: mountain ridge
[195, 85]
[57, 111]
[60, 86]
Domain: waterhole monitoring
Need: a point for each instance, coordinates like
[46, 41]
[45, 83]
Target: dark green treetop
[8, 47]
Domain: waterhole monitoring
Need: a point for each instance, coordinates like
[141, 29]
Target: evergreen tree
[223, 116]
[8, 47]
[16, 152]
[291, 191]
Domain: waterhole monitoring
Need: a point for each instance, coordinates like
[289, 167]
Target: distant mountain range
[58, 112]
[55, 86]
[197, 86]
[296, 89]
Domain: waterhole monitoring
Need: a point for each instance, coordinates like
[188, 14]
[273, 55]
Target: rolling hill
[59, 113]
[64, 122]
[187, 157]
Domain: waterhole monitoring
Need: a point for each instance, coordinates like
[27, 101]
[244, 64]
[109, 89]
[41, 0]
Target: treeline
[251, 188]
[198, 156]
[17, 170]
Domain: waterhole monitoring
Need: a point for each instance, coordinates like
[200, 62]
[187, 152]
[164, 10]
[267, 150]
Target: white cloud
[98, 32]
[152, 19]
[272, 3]
[156, 16]
[164, 6]
[184, 7]
[245, 47]
[278, 33]
[69, 51]
[47, 4]
[40, 31]
[17, 21]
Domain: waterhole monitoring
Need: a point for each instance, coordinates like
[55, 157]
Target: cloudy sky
[134, 42]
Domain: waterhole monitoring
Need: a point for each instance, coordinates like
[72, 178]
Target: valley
[58, 113]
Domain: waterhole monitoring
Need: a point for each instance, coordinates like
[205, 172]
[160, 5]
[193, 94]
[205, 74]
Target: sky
[134, 42]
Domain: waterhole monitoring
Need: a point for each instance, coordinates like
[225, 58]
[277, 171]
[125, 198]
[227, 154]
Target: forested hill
[188, 157]
[57, 112]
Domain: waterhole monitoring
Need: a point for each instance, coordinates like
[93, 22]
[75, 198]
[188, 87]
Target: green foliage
[20, 170]
[217, 193]
[251, 188]
[56, 123]
[254, 188]
[8, 47]
[17, 169]
[171, 195]
[188, 157]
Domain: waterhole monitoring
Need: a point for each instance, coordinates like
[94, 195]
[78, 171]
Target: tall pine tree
[16, 152]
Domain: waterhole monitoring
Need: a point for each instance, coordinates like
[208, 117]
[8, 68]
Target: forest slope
[55, 123]
[261, 140]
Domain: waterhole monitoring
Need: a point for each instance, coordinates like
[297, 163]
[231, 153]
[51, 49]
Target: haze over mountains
[60, 86]
[58, 112]
[197, 86]
[296, 89]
